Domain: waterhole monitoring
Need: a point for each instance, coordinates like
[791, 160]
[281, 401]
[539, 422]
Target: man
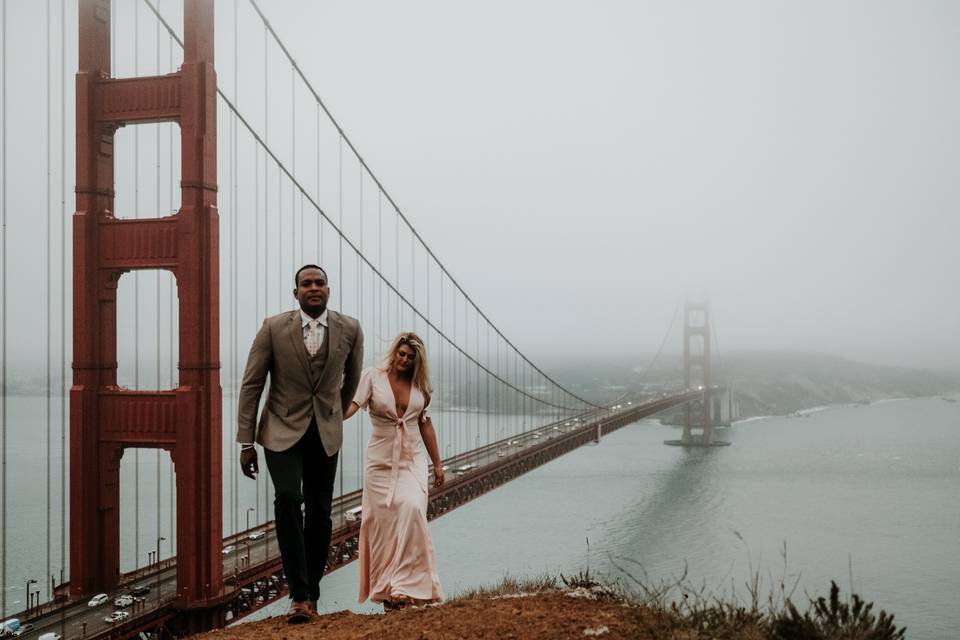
[314, 357]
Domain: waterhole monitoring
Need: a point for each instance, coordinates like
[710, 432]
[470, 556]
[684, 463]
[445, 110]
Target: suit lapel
[332, 338]
[296, 338]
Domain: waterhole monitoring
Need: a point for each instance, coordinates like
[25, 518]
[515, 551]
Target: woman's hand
[352, 409]
[438, 478]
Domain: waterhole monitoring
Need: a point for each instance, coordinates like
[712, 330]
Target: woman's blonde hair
[421, 367]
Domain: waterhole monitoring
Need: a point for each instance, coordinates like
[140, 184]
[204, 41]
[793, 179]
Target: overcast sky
[582, 167]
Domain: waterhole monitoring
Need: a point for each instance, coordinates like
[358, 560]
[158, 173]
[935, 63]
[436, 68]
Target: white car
[256, 535]
[123, 601]
[227, 550]
[9, 627]
[354, 514]
[50, 635]
[117, 616]
[97, 600]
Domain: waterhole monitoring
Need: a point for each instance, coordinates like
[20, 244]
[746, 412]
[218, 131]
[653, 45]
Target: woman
[397, 565]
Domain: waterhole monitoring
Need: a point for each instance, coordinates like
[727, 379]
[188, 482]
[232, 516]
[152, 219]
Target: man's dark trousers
[303, 536]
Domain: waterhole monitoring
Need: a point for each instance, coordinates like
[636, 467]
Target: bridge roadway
[252, 570]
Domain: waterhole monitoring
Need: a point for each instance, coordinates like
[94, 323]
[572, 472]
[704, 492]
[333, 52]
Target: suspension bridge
[199, 190]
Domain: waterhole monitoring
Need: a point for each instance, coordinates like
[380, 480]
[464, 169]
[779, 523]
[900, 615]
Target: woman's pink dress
[396, 551]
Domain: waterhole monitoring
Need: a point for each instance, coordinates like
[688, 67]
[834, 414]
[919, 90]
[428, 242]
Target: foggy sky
[581, 168]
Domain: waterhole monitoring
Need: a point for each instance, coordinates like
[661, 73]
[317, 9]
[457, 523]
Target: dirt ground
[559, 614]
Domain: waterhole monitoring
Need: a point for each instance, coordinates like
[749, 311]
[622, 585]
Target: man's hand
[438, 476]
[248, 463]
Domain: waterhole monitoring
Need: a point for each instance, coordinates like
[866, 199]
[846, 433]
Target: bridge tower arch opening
[104, 417]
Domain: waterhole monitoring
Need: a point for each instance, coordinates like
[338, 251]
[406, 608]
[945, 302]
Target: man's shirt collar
[306, 319]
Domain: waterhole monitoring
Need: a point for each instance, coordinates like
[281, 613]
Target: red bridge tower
[105, 419]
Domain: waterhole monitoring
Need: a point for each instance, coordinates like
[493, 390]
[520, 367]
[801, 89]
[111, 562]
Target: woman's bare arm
[430, 441]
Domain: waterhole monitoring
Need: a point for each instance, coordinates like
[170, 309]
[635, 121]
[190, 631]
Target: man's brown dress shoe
[299, 612]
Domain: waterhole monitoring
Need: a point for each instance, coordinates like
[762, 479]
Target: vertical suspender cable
[413, 282]
[171, 538]
[487, 408]
[319, 252]
[294, 262]
[63, 289]
[3, 326]
[456, 377]
[235, 202]
[443, 367]
[136, 292]
[266, 233]
[280, 275]
[397, 272]
[48, 302]
[477, 345]
[360, 320]
[230, 217]
[159, 451]
[340, 267]
[379, 264]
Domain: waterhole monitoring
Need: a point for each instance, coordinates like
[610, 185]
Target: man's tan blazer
[299, 392]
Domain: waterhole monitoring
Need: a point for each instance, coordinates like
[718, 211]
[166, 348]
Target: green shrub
[834, 620]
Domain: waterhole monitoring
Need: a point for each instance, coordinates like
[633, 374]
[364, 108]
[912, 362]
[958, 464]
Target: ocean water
[868, 496]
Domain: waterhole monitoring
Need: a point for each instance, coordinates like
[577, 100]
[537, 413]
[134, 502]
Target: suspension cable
[281, 167]
[344, 138]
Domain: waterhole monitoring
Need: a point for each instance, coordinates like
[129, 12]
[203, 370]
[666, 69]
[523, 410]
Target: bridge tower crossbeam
[104, 418]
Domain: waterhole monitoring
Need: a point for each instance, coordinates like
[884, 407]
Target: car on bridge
[257, 535]
[97, 600]
[117, 616]
[465, 468]
[227, 550]
[139, 591]
[50, 635]
[9, 627]
[27, 628]
[123, 601]
[354, 514]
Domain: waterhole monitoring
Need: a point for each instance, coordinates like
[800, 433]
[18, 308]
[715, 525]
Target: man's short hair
[296, 276]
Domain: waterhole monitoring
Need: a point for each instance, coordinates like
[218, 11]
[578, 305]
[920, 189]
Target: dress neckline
[393, 395]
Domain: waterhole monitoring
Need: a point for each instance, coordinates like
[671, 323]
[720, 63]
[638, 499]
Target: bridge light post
[159, 540]
[29, 599]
